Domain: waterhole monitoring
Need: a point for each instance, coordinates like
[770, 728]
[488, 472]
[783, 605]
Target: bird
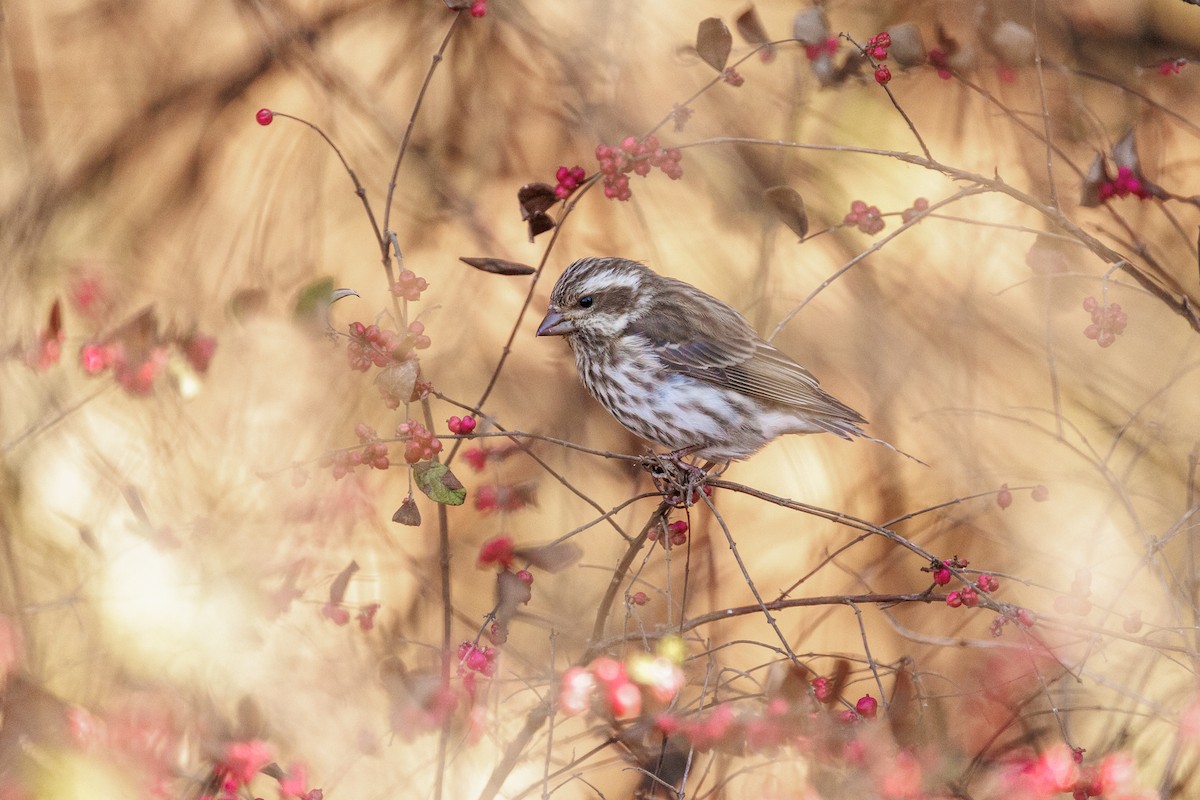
[682, 369]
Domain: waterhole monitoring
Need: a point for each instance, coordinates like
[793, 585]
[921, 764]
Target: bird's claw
[680, 483]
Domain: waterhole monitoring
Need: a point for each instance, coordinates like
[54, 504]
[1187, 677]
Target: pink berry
[883, 75]
[867, 706]
[264, 116]
[479, 8]
[941, 576]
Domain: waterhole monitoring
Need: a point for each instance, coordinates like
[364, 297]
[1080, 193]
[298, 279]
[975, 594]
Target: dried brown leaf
[713, 42]
[337, 590]
[497, 266]
[788, 205]
[551, 557]
[750, 26]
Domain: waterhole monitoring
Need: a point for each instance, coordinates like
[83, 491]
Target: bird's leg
[679, 481]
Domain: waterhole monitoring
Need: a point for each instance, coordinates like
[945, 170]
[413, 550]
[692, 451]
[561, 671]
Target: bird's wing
[713, 343]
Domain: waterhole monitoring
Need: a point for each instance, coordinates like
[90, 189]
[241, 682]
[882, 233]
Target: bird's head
[597, 297]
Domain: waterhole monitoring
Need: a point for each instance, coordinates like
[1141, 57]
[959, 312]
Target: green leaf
[313, 299]
[439, 484]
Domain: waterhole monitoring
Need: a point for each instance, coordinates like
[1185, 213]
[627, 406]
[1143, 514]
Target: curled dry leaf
[398, 380]
[751, 28]
[535, 200]
[713, 42]
[337, 590]
[408, 513]
[511, 592]
[788, 205]
[497, 266]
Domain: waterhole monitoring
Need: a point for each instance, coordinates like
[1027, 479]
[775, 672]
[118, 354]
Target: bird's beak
[555, 324]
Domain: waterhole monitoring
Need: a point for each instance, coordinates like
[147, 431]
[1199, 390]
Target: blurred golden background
[167, 554]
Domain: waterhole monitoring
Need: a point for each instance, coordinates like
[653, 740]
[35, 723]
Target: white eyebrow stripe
[608, 279]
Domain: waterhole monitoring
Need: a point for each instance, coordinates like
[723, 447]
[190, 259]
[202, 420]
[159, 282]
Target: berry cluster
[1126, 183]
[919, 207]
[620, 688]
[677, 533]
[463, 426]
[373, 453]
[969, 595]
[473, 658]
[1108, 321]
[877, 46]
[568, 181]
[827, 48]
[421, 444]
[877, 49]
[638, 157]
[371, 345]
[409, 285]
[869, 219]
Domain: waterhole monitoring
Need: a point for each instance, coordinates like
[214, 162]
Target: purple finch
[682, 369]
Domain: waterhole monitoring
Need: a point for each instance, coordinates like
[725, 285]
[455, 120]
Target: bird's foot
[680, 482]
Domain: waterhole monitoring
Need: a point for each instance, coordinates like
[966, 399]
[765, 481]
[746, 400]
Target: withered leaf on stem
[408, 513]
[536, 199]
[550, 557]
[750, 26]
[497, 266]
[713, 42]
[788, 205]
[511, 592]
[337, 590]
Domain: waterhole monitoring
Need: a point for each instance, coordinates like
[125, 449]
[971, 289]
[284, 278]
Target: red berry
[264, 116]
[941, 576]
[639, 598]
[479, 8]
[867, 706]
[954, 599]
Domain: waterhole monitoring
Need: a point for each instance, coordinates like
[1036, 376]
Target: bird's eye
[586, 301]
